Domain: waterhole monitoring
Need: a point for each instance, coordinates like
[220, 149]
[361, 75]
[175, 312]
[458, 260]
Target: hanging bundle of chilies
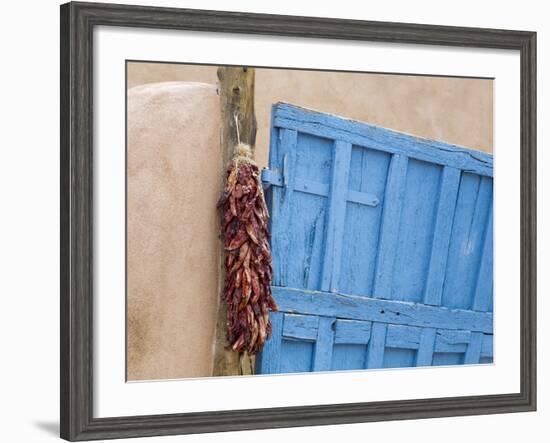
[248, 269]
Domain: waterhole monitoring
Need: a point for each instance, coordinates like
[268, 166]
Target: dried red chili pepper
[248, 268]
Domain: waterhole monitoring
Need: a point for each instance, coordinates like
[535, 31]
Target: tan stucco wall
[456, 110]
[173, 183]
[174, 163]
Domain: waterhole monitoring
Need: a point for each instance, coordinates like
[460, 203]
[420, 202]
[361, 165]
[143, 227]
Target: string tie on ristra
[236, 117]
[247, 254]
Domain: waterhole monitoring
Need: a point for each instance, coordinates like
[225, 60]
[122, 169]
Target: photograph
[274, 221]
[284, 220]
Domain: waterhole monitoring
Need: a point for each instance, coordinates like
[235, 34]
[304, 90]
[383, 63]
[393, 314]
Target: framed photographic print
[273, 221]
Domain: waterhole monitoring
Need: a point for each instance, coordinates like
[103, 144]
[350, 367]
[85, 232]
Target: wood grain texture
[415, 235]
[322, 359]
[390, 224]
[270, 359]
[450, 183]
[281, 201]
[301, 327]
[374, 309]
[273, 178]
[473, 207]
[336, 215]
[236, 91]
[473, 352]
[377, 346]
[426, 346]
[352, 332]
[375, 137]
[77, 22]
[483, 296]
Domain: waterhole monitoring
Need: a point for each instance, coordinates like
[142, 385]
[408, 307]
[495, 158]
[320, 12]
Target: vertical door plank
[473, 352]
[336, 216]
[322, 360]
[413, 250]
[271, 353]
[448, 193]
[472, 209]
[482, 214]
[275, 163]
[393, 202]
[289, 141]
[377, 345]
[426, 347]
[282, 205]
[484, 285]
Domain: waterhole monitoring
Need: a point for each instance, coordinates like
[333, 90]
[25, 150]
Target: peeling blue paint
[382, 247]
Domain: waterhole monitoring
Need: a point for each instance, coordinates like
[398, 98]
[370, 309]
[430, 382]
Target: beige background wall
[456, 110]
[173, 183]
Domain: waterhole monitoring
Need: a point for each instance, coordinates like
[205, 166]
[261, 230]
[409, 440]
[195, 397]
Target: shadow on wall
[48, 427]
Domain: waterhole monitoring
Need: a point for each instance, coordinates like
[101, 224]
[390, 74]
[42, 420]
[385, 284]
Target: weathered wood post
[236, 91]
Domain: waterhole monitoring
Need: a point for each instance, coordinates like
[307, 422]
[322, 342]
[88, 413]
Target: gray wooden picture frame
[77, 23]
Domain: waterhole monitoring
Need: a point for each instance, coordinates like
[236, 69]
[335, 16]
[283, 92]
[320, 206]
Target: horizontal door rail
[375, 137]
[305, 327]
[352, 307]
[274, 178]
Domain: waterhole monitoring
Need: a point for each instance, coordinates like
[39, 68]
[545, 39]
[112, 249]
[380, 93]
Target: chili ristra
[247, 258]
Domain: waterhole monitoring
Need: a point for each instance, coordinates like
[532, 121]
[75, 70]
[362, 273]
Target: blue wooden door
[382, 247]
